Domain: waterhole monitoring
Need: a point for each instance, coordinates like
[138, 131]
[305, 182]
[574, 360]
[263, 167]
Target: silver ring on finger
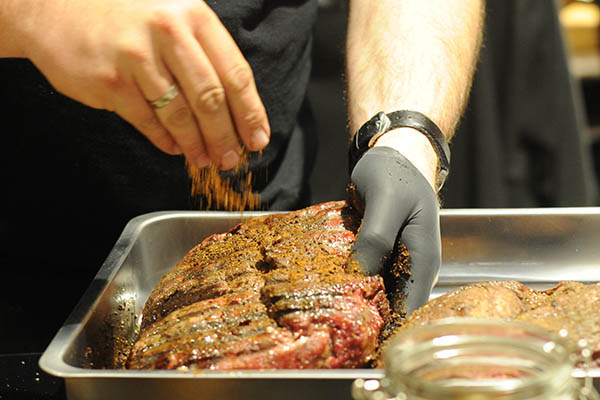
[166, 98]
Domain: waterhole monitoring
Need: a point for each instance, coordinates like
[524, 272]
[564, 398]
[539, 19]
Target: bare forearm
[412, 54]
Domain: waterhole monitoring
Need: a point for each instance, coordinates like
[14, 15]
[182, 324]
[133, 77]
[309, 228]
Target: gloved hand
[399, 204]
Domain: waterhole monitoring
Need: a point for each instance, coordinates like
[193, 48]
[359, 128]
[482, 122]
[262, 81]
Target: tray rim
[52, 359]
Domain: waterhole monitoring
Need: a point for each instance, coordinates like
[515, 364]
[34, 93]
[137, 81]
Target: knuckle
[239, 78]
[224, 143]
[136, 53]
[200, 14]
[164, 21]
[211, 101]
[253, 119]
[218, 145]
[130, 48]
[112, 79]
[150, 124]
[180, 117]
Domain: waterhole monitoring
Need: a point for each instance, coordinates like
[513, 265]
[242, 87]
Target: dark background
[530, 135]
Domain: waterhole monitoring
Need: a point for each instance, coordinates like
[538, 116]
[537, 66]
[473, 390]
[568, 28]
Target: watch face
[376, 126]
[382, 125]
[366, 136]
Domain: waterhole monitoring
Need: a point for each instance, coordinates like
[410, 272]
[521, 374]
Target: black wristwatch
[381, 123]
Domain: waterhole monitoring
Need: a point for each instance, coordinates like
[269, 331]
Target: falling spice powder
[230, 192]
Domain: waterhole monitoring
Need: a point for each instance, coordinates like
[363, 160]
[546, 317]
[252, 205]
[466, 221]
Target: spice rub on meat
[572, 306]
[273, 292]
[277, 292]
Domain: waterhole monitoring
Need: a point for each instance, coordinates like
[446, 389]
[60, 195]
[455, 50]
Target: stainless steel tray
[538, 247]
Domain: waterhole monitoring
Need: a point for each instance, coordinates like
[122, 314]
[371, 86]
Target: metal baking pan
[538, 247]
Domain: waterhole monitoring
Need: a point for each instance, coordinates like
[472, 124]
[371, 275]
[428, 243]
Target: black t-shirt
[74, 176]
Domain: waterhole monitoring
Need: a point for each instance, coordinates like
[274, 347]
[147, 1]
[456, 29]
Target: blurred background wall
[530, 135]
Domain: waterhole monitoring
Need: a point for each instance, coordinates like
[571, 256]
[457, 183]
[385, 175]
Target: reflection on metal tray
[538, 247]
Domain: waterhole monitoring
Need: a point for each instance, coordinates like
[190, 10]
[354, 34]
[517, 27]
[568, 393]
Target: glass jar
[478, 360]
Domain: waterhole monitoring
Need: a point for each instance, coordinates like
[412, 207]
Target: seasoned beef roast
[569, 305]
[277, 292]
[273, 292]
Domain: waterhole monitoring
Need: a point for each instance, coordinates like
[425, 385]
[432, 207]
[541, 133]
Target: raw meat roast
[274, 292]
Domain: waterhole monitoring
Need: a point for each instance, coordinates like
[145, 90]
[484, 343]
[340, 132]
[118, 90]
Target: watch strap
[382, 123]
[420, 122]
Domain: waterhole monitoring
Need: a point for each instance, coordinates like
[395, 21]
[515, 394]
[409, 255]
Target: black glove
[399, 204]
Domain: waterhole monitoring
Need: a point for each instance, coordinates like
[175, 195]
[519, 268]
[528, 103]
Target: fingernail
[229, 160]
[259, 139]
[202, 161]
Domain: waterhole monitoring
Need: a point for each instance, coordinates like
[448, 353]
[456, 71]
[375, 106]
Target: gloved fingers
[383, 219]
[386, 182]
[422, 239]
[398, 202]
[370, 251]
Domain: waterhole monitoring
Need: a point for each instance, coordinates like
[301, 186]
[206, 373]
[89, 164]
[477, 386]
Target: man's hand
[120, 55]
[399, 204]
